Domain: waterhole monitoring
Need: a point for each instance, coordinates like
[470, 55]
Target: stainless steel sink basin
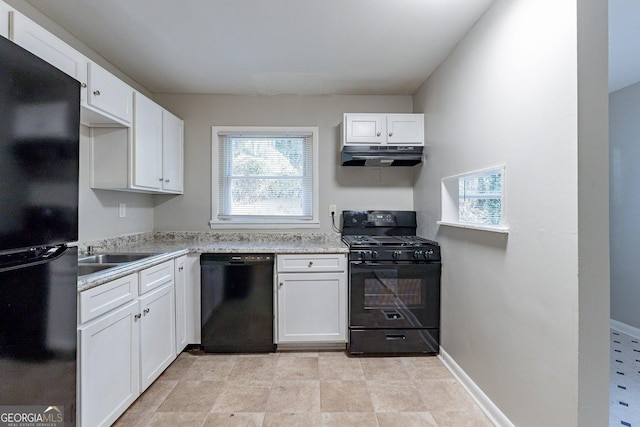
[84, 269]
[113, 258]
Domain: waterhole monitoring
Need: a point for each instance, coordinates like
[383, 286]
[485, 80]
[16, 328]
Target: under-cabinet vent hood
[378, 156]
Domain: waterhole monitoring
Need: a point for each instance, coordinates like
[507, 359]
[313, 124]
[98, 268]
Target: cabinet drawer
[311, 263]
[101, 299]
[156, 276]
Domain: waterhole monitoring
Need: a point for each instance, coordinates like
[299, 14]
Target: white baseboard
[625, 329]
[488, 407]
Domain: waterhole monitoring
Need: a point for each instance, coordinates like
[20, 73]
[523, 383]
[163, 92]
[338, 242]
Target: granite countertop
[172, 245]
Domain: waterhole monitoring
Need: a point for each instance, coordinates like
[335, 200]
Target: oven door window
[395, 295]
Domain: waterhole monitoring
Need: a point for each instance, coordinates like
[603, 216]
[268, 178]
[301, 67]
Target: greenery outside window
[264, 177]
[475, 200]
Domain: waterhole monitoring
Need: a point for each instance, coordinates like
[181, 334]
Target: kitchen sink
[84, 269]
[113, 258]
[94, 263]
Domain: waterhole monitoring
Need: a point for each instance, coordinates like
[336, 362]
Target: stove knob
[396, 254]
[363, 255]
[374, 255]
[417, 254]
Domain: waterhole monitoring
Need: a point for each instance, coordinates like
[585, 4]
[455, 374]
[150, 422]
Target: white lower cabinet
[109, 366]
[157, 334]
[312, 298]
[182, 296]
[127, 338]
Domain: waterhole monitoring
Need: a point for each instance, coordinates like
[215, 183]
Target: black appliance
[377, 156]
[394, 284]
[237, 303]
[39, 158]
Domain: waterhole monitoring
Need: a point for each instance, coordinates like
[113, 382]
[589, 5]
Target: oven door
[394, 295]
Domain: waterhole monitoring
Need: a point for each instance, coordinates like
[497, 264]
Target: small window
[475, 200]
[264, 177]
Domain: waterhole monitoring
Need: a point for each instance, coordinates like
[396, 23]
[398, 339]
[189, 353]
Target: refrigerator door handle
[31, 257]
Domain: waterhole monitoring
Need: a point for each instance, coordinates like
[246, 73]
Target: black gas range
[394, 284]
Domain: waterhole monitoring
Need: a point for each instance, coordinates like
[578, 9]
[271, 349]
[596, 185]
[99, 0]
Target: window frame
[450, 197]
[258, 222]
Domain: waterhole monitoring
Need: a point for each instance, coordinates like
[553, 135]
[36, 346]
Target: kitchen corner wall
[525, 315]
[99, 209]
[346, 187]
[624, 109]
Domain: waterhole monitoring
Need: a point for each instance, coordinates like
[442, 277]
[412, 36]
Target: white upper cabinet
[40, 42]
[148, 157]
[109, 94]
[4, 19]
[172, 152]
[364, 129]
[383, 129]
[405, 129]
[147, 144]
[106, 100]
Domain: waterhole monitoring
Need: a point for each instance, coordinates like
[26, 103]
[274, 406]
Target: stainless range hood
[378, 156]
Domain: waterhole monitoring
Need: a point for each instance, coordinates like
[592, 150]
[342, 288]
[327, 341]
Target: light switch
[122, 210]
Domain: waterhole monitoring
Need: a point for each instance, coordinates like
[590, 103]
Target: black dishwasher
[237, 303]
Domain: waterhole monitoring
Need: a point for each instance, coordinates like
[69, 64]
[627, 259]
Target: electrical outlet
[122, 210]
[333, 210]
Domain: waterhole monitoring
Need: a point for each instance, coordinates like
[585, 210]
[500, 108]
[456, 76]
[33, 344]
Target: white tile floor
[624, 395]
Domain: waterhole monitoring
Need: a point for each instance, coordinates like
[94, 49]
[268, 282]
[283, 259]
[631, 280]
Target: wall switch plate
[333, 210]
[122, 210]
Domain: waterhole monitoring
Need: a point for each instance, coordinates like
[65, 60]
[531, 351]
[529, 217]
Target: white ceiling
[624, 43]
[270, 46]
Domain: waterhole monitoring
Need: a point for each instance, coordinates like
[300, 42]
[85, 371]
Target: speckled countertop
[169, 245]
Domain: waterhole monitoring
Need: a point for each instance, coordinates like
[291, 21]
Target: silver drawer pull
[395, 337]
[96, 92]
[310, 264]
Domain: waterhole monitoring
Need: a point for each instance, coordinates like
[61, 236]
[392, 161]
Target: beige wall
[346, 187]
[525, 315]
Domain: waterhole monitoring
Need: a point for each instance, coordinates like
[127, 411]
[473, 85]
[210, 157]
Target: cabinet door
[181, 303]
[4, 19]
[45, 45]
[109, 94]
[405, 129]
[147, 144]
[109, 366]
[312, 307]
[172, 153]
[364, 129]
[157, 334]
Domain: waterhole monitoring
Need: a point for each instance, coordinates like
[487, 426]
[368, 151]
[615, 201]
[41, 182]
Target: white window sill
[238, 224]
[491, 228]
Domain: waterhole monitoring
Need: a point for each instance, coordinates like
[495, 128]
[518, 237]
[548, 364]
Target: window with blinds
[265, 176]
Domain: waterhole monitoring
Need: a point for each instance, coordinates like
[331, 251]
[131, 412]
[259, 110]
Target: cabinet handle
[145, 311]
[161, 179]
[390, 133]
[310, 264]
[166, 180]
[180, 268]
[281, 284]
[137, 316]
[83, 85]
[378, 134]
[96, 92]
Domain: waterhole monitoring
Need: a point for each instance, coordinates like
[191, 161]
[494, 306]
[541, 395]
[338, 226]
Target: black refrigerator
[39, 158]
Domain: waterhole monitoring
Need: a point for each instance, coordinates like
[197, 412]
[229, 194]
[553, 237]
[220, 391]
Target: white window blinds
[265, 176]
